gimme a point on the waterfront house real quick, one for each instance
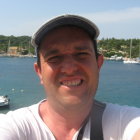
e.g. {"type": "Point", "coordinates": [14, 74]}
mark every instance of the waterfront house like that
{"type": "Point", "coordinates": [13, 51]}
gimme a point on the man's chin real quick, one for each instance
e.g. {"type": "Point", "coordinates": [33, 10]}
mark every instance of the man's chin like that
{"type": "Point", "coordinates": [73, 100]}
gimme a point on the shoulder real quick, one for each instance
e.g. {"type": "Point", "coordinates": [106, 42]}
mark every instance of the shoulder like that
{"type": "Point", "coordinates": [15, 124]}
{"type": "Point", "coordinates": [122, 112]}
{"type": "Point", "coordinates": [23, 113]}
{"type": "Point", "coordinates": [118, 120]}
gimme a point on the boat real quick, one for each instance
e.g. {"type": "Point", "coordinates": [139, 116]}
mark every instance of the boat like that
{"type": "Point", "coordinates": [116, 58]}
{"type": "Point", "coordinates": [130, 60]}
{"type": "Point", "coordinates": [138, 59]}
{"type": "Point", "coordinates": [4, 101]}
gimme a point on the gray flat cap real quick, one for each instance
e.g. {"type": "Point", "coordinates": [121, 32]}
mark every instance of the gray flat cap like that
{"type": "Point", "coordinates": [65, 20]}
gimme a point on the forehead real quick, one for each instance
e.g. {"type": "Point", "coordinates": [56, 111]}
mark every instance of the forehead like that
{"type": "Point", "coordinates": [65, 34]}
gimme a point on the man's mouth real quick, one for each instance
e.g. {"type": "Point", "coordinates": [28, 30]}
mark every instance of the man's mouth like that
{"type": "Point", "coordinates": [72, 83]}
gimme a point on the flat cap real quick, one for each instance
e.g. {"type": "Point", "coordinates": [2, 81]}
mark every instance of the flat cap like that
{"type": "Point", "coordinates": [65, 20]}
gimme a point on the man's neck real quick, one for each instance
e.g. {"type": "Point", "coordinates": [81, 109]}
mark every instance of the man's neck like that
{"type": "Point", "coordinates": [64, 122]}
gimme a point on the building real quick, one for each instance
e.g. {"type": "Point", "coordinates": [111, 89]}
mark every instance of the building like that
{"type": "Point", "coordinates": [13, 51]}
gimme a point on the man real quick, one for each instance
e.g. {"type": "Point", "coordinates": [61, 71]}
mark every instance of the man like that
{"type": "Point", "coordinates": [68, 66]}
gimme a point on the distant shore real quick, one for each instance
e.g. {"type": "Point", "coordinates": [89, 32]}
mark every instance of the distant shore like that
{"type": "Point", "coordinates": [9, 55]}
{"type": "Point", "coordinates": [34, 56]}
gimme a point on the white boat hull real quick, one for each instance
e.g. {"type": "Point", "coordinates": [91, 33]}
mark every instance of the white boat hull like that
{"type": "Point", "coordinates": [130, 62]}
{"type": "Point", "coordinates": [4, 101]}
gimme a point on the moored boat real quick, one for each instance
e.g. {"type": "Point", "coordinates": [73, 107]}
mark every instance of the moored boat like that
{"type": "Point", "coordinates": [130, 62]}
{"type": "Point", "coordinates": [4, 101]}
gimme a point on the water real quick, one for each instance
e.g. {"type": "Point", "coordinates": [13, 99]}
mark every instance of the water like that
{"type": "Point", "coordinates": [19, 81]}
{"type": "Point", "coordinates": [119, 83]}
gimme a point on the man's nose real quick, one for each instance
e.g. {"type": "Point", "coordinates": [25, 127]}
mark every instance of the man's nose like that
{"type": "Point", "coordinates": [69, 65]}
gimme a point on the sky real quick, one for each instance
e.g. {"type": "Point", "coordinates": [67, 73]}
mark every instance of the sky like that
{"type": "Point", "coordinates": [114, 18]}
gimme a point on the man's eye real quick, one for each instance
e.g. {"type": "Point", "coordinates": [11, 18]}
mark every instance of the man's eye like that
{"type": "Point", "coordinates": [54, 59]}
{"type": "Point", "coordinates": [82, 54]}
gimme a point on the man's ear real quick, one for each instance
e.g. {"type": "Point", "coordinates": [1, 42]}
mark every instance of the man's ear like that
{"type": "Point", "coordinates": [38, 72]}
{"type": "Point", "coordinates": [100, 61]}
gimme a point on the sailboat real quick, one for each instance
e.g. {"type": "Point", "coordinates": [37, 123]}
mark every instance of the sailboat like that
{"type": "Point", "coordinates": [130, 60]}
{"type": "Point", "coordinates": [138, 59]}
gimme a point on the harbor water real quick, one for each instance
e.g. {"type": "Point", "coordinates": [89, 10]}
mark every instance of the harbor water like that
{"type": "Point", "coordinates": [119, 83]}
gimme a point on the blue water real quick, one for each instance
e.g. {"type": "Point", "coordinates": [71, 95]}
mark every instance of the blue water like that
{"type": "Point", "coordinates": [19, 81]}
{"type": "Point", "coordinates": [119, 83]}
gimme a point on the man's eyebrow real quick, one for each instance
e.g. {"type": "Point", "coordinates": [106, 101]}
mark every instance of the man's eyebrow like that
{"type": "Point", "coordinates": [82, 48]}
{"type": "Point", "coordinates": [51, 52]}
{"type": "Point", "coordinates": [78, 48]}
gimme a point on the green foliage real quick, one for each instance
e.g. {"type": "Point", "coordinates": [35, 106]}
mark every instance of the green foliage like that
{"type": "Point", "coordinates": [109, 46]}
{"type": "Point", "coordinates": [23, 42]}
{"type": "Point", "coordinates": [119, 47]}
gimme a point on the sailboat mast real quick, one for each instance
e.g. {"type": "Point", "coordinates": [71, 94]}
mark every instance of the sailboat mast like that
{"type": "Point", "coordinates": [9, 44]}
{"type": "Point", "coordinates": [139, 51]}
{"type": "Point", "coordinates": [130, 47]}
{"type": "Point", "coordinates": [29, 49]}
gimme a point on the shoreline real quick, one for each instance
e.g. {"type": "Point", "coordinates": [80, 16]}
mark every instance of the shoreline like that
{"type": "Point", "coordinates": [22, 56]}
{"type": "Point", "coordinates": [34, 56]}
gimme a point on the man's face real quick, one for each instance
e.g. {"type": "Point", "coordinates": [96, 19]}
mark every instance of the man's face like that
{"type": "Point", "coordinates": [69, 70]}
